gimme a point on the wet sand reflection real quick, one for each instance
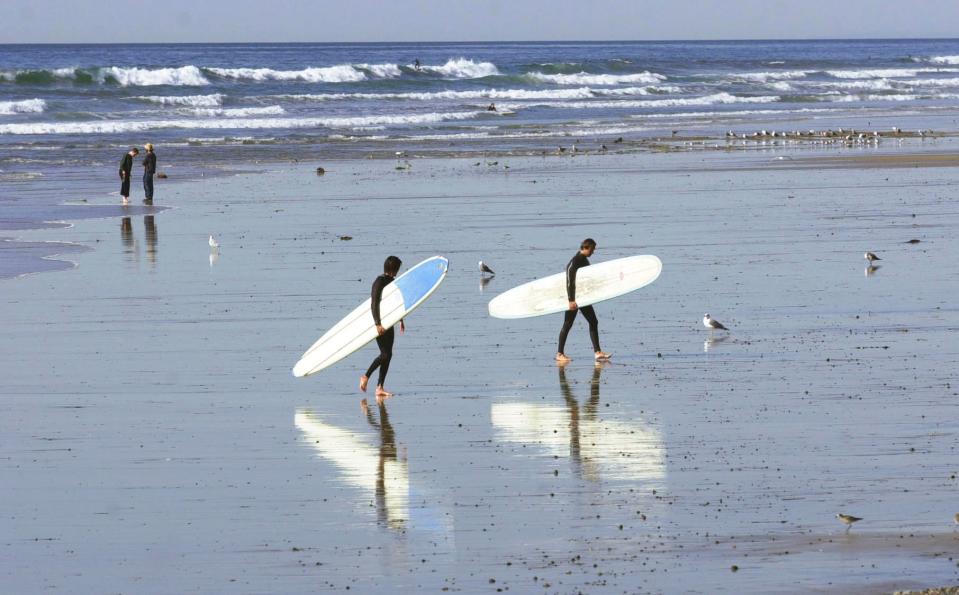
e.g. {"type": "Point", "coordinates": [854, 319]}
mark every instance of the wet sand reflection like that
{"type": "Point", "coordinates": [598, 449]}
{"type": "Point", "coordinates": [377, 471]}
{"type": "Point", "coordinates": [150, 233]}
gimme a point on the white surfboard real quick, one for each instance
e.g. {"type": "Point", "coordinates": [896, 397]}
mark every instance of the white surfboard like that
{"type": "Point", "coordinates": [400, 297]}
{"type": "Point", "coordinates": [594, 283]}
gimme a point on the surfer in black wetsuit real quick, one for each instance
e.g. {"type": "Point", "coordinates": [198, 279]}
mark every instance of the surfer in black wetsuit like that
{"type": "Point", "coordinates": [385, 337]}
{"type": "Point", "coordinates": [580, 260]}
{"type": "Point", "coordinates": [126, 166]}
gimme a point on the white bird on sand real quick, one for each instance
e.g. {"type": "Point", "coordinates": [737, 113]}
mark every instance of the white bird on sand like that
{"type": "Point", "coordinates": [485, 269]}
{"type": "Point", "coordinates": [871, 257]}
{"type": "Point", "coordinates": [712, 323]}
{"type": "Point", "coordinates": [848, 520]}
{"type": "Point", "coordinates": [213, 243]}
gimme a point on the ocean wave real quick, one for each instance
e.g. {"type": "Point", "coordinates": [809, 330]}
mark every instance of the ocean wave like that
{"type": "Point", "coordinates": [781, 86]}
{"type": "Point", "coordinates": [756, 112]}
{"type": "Point", "coordinates": [951, 82]}
{"type": "Point", "coordinates": [119, 126]}
{"type": "Point", "coordinates": [26, 106]}
{"type": "Point", "coordinates": [778, 75]}
{"type": "Point", "coordinates": [585, 78]}
{"type": "Point", "coordinates": [884, 73]}
{"type": "Point", "coordinates": [383, 71]}
{"type": "Point", "coordinates": [873, 97]}
{"type": "Point", "coordinates": [492, 94]}
{"type": "Point", "coordinates": [716, 98]}
{"type": "Point", "coordinates": [190, 100]}
{"type": "Point", "coordinates": [462, 68]}
{"type": "Point", "coordinates": [859, 85]}
{"type": "Point", "coordinates": [187, 76]}
{"type": "Point", "coordinates": [939, 59]}
{"type": "Point", "coordinates": [40, 76]}
{"type": "Point", "coordinates": [341, 73]}
{"type": "Point", "coordinates": [239, 112]}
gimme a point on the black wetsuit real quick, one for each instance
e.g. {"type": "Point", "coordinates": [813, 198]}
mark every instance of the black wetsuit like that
{"type": "Point", "coordinates": [149, 169]}
{"type": "Point", "coordinates": [577, 262]}
{"type": "Point", "coordinates": [384, 341]}
{"type": "Point", "coordinates": [126, 166]}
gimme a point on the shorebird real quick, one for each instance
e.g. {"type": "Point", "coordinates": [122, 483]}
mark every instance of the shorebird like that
{"type": "Point", "coordinates": [712, 323]}
{"type": "Point", "coordinates": [213, 243]}
{"type": "Point", "coordinates": [871, 257]}
{"type": "Point", "coordinates": [848, 520]}
{"type": "Point", "coordinates": [485, 269]}
{"type": "Point", "coordinates": [956, 518]}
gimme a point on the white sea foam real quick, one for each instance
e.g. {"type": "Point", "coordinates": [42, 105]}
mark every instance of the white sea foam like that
{"type": "Point", "coordinates": [239, 112]}
{"type": "Point", "coordinates": [951, 82]}
{"type": "Point", "coordinates": [585, 78]}
{"type": "Point", "coordinates": [385, 71]}
{"type": "Point", "coordinates": [27, 106]}
{"type": "Point", "coordinates": [732, 114]}
{"type": "Point", "coordinates": [189, 76]}
{"type": "Point", "coordinates": [781, 86]}
{"type": "Point", "coordinates": [943, 60]}
{"type": "Point", "coordinates": [213, 100]}
{"type": "Point", "coordinates": [494, 94]}
{"type": "Point", "coordinates": [884, 72]}
{"type": "Point", "coordinates": [462, 68]}
{"type": "Point", "coordinates": [120, 126]}
{"type": "Point", "coordinates": [716, 98]}
{"type": "Point", "coordinates": [871, 97]}
{"type": "Point", "coordinates": [859, 85]}
{"type": "Point", "coordinates": [779, 75]}
{"type": "Point", "coordinates": [341, 73]}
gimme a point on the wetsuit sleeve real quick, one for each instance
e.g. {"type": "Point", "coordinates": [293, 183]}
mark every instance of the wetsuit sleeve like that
{"type": "Point", "coordinates": [375, 297]}
{"type": "Point", "coordinates": [574, 265]}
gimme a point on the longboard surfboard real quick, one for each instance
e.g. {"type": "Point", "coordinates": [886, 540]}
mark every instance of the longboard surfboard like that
{"type": "Point", "coordinates": [594, 283]}
{"type": "Point", "coordinates": [404, 295]}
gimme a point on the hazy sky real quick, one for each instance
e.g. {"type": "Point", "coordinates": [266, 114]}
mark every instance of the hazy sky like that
{"type": "Point", "coordinates": [115, 21]}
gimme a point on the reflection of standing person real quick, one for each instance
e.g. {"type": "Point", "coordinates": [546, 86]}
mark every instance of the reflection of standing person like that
{"type": "Point", "coordinates": [580, 260]}
{"type": "Point", "coordinates": [126, 166]}
{"type": "Point", "coordinates": [384, 339]}
{"type": "Point", "coordinates": [149, 171]}
{"type": "Point", "coordinates": [387, 453]}
{"type": "Point", "coordinates": [126, 233]}
{"type": "Point", "coordinates": [583, 467]}
{"type": "Point", "coordinates": [150, 233]}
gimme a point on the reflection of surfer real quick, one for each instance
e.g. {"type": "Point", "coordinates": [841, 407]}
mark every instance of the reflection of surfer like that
{"type": "Point", "coordinates": [589, 413]}
{"type": "Point", "coordinates": [384, 339]}
{"type": "Point", "coordinates": [387, 453]}
{"type": "Point", "coordinates": [580, 260]}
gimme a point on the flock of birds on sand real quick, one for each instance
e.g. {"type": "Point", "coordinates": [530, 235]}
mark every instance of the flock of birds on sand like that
{"type": "Point", "coordinates": [844, 136]}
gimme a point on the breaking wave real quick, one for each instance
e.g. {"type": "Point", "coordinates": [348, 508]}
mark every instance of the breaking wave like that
{"type": "Point", "coordinates": [189, 100]}
{"type": "Point", "coordinates": [585, 78]}
{"type": "Point", "coordinates": [119, 126]}
{"type": "Point", "coordinates": [27, 106]}
{"type": "Point", "coordinates": [462, 68]}
{"type": "Point", "coordinates": [493, 94]}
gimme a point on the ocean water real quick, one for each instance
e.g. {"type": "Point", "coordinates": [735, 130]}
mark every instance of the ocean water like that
{"type": "Point", "coordinates": [87, 95]}
{"type": "Point", "coordinates": [67, 112]}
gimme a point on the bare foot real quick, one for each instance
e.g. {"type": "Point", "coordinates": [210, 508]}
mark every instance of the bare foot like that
{"type": "Point", "coordinates": [382, 394]}
{"type": "Point", "coordinates": [563, 358]}
{"type": "Point", "coordinates": [364, 380]}
{"type": "Point", "coordinates": [603, 356]}
{"type": "Point", "coordinates": [125, 201]}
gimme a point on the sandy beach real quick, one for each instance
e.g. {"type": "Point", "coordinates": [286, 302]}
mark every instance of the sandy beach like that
{"type": "Point", "coordinates": [153, 439]}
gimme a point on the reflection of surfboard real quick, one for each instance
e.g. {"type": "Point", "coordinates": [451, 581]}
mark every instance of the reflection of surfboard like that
{"type": "Point", "coordinates": [400, 297]}
{"type": "Point", "coordinates": [595, 283]}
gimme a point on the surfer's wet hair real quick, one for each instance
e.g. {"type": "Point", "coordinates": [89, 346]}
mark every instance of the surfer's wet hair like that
{"type": "Point", "coordinates": [587, 243]}
{"type": "Point", "coordinates": [392, 265]}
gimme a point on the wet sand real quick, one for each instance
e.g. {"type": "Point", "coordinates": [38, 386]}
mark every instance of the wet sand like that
{"type": "Point", "coordinates": [152, 438]}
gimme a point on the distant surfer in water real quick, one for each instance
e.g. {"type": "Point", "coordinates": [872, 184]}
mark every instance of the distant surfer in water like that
{"type": "Point", "coordinates": [385, 337]}
{"type": "Point", "coordinates": [491, 107]}
{"type": "Point", "coordinates": [416, 64]}
{"type": "Point", "coordinates": [580, 260]}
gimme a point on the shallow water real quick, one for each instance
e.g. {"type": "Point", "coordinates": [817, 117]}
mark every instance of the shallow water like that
{"type": "Point", "coordinates": [153, 439]}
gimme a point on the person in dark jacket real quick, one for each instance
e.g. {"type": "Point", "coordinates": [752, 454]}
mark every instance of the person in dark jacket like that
{"type": "Point", "coordinates": [126, 166]}
{"type": "Point", "coordinates": [149, 171]}
{"type": "Point", "coordinates": [384, 339]}
{"type": "Point", "coordinates": [580, 260]}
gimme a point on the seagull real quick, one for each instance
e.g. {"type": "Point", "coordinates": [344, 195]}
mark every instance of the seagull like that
{"type": "Point", "coordinates": [871, 257]}
{"type": "Point", "coordinates": [712, 323]}
{"type": "Point", "coordinates": [485, 269]}
{"type": "Point", "coordinates": [848, 520]}
{"type": "Point", "coordinates": [213, 243]}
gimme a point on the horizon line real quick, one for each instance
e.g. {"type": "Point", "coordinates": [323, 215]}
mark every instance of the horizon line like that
{"type": "Point", "coordinates": [475, 41]}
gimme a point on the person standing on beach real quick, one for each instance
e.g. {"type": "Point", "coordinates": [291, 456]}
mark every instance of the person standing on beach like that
{"type": "Point", "coordinates": [580, 260]}
{"type": "Point", "coordinates": [126, 166]}
{"type": "Point", "coordinates": [149, 171]}
{"type": "Point", "coordinates": [384, 339]}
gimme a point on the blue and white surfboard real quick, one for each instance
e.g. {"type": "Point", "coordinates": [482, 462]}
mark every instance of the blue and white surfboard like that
{"type": "Point", "coordinates": [400, 297]}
